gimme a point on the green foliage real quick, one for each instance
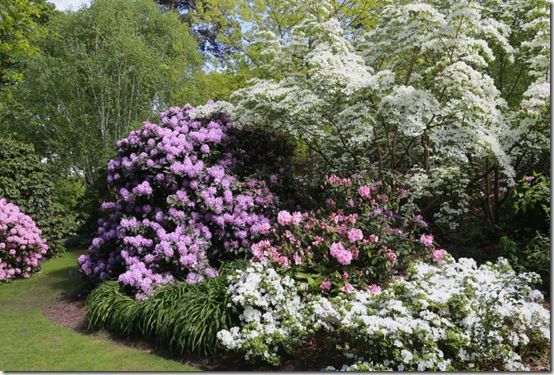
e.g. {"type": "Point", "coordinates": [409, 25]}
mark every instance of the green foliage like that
{"type": "Point", "coordinates": [101, 71]}
{"type": "Point", "coordinates": [88, 208]}
{"type": "Point", "coordinates": [20, 28]}
{"type": "Point", "coordinates": [529, 255]}
{"type": "Point", "coordinates": [180, 316]}
{"type": "Point", "coordinates": [534, 194]}
{"type": "Point", "coordinates": [225, 29]}
{"type": "Point", "coordinates": [25, 182]}
{"type": "Point", "coordinates": [527, 242]}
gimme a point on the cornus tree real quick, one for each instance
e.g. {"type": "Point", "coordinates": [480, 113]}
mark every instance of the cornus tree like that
{"type": "Point", "coordinates": [448, 94]}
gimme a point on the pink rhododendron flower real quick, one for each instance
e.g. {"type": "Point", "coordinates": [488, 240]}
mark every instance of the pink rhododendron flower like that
{"type": "Point", "coordinates": [374, 288]}
{"type": "Point", "coordinates": [284, 217]}
{"type": "Point", "coordinates": [317, 241]}
{"type": "Point", "coordinates": [347, 288]}
{"type": "Point", "coordinates": [325, 285]}
{"type": "Point", "coordinates": [364, 191]}
{"type": "Point", "coordinates": [355, 234]}
{"type": "Point", "coordinates": [529, 178]}
{"type": "Point", "coordinates": [296, 218]}
{"type": "Point", "coordinates": [426, 239]}
{"type": "Point", "coordinates": [342, 255]}
{"type": "Point", "coordinates": [373, 238]}
{"type": "Point", "coordinates": [19, 234]}
{"type": "Point", "coordinates": [438, 255]}
{"type": "Point", "coordinates": [391, 255]}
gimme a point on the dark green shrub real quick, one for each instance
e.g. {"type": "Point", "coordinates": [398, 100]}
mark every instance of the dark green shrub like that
{"type": "Point", "coordinates": [26, 182]}
{"type": "Point", "coordinates": [88, 208]}
{"type": "Point", "coordinates": [529, 255]}
{"type": "Point", "coordinates": [527, 240]}
{"type": "Point", "coordinates": [278, 159]}
{"type": "Point", "coordinates": [181, 317]}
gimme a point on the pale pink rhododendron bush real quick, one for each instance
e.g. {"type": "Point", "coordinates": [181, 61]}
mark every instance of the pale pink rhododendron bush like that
{"type": "Point", "coordinates": [21, 246]}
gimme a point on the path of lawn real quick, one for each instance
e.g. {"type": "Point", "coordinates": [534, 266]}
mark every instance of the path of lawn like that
{"type": "Point", "coordinates": [31, 342]}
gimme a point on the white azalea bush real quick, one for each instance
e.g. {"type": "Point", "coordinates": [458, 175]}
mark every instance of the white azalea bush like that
{"type": "Point", "coordinates": [453, 316]}
{"type": "Point", "coordinates": [272, 313]}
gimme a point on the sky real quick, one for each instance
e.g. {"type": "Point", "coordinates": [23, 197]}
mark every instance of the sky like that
{"type": "Point", "coordinates": [68, 4]}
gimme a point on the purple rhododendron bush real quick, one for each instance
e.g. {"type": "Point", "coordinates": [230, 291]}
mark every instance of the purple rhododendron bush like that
{"type": "Point", "coordinates": [21, 245]}
{"type": "Point", "coordinates": [179, 207]}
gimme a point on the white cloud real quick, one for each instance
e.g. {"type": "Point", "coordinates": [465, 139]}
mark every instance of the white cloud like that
{"type": "Point", "coordinates": [69, 4]}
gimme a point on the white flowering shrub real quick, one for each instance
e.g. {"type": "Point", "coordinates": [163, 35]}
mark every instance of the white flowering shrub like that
{"type": "Point", "coordinates": [271, 313]}
{"type": "Point", "coordinates": [455, 316]}
{"type": "Point", "coordinates": [435, 85]}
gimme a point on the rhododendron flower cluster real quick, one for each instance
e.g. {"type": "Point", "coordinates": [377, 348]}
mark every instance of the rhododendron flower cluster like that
{"type": "Point", "coordinates": [178, 204]}
{"type": "Point", "coordinates": [21, 245]}
{"type": "Point", "coordinates": [365, 232]}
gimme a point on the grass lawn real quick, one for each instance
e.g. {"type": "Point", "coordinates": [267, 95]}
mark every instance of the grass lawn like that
{"type": "Point", "coordinates": [31, 342]}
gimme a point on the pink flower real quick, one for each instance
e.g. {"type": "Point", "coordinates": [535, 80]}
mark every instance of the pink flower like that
{"type": "Point", "coordinates": [355, 234]}
{"type": "Point", "coordinates": [345, 276]}
{"type": "Point", "coordinates": [373, 238]}
{"type": "Point", "coordinates": [347, 288]}
{"type": "Point", "coordinates": [297, 259]}
{"type": "Point", "coordinates": [284, 217]}
{"type": "Point", "coordinates": [264, 228]}
{"type": "Point", "coordinates": [374, 288]}
{"type": "Point", "coordinates": [529, 178]}
{"type": "Point", "coordinates": [325, 285]}
{"type": "Point", "coordinates": [391, 255]}
{"type": "Point", "coordinates": [342, 255]}
{"type": "Point", "coordinates": [296, 218]}
{"type": "Point", "coordinates": [283, 261]}
{"type": "Point", "coordinates": [426, 239]}
{"type": "Point", "coordinates": [317, 241]}
{"type": "Point", "coordinates": [364, 191]}
{"type": "Point", "coordinates": [438, 255]}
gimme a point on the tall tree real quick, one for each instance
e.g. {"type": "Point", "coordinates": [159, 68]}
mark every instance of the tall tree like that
{"type": "Point", "coordinates": [101, 71]}
{"type": "Point", "coordinates": [225, 29]}
{"type": "Point", "coordinates": [21, 25]}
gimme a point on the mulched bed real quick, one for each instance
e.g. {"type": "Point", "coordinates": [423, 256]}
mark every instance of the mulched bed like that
{"type": "Point", "coordinates": [67, 312]}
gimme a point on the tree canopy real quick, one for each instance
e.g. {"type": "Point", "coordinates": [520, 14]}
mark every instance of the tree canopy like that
{"type": "Point", "coordinates": [101, 71]}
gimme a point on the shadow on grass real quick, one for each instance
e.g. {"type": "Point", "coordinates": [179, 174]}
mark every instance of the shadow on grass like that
{"type": "Point", "coordinates": [221, 361]}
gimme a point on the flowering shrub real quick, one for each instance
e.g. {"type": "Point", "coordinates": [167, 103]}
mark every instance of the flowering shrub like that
{"type": "Point", "coordinates": [178, 205]}
{"type": "Point", "coordinates": [364, 236]}
{"type": "Point", "coordinates": [453, 316]}
{"type": "Point", "coordinates": [270, 313]}
{"type": "Point", "coordinates": [26, 182]}
{"type": "Point", "coordinates": [422, 92]}
{"type": "Point", "coordinates": [21, 245]}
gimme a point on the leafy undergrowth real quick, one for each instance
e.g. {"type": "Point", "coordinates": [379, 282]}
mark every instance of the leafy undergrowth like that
{"type": "Point", "coordinates": [31, 342]}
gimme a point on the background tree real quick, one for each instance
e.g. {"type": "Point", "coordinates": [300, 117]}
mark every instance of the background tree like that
{"type": "Point", "coordinates": [21, 26]}
{"type": "Point", "coordinates": [101, 70]}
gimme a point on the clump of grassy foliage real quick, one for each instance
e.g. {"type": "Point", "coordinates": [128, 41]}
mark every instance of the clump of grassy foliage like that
{"type": "Point", "coordinates": [181, 317]}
